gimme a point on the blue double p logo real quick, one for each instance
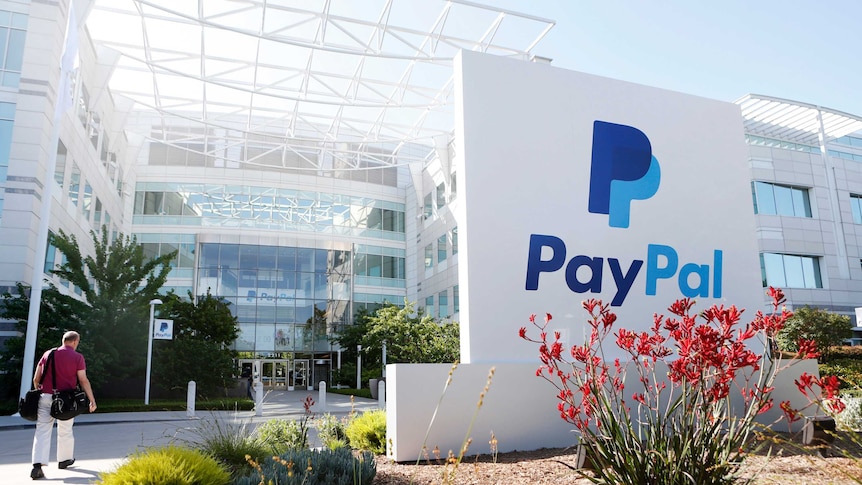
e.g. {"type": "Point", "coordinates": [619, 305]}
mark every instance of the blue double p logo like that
{"type": "Point", "coordinates": [623, 169]}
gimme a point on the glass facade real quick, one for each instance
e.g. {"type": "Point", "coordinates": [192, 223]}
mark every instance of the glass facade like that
{"type": "Point", "coordinates": [286, 299]}
{"type": "Point", "coordinates": [267, 208]}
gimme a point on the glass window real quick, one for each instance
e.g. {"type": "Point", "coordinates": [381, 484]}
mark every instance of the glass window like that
{"type": "Point", "coordinates": [443, 304]}
{"type": "Point", "coordinates": [774, 199]}
{"type": "Point", "coordinates": [429, 305]}
{"type": "Point", "coordinates": [441, 248]}
{"type": "Point", "coordinates": [74, 184]}
{"type": "Point", "coordinates": [87, 199]}
{"type": "Point", "coordinates": [12, 36]}
{"type": "Point", "coordinates": [454, 240]}
{"type": "Point", "coordinates": [60, 169]}
{"type": "Point", "coordinates": [428, 207]}
{"type": "Point", "coordinates": [456, 301]}
{"type": "Point", "coordinates": [790, 271]}
{"type": "Point", "coordinates": [429, 256]}
{"type": "Point", "coordinates": [856, 208]}
{"type": "Point", "coordinates": [441, 195]}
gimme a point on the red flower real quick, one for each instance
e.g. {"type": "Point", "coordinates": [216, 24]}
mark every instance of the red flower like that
{"type": "Point", "coordinates": [791, 414]}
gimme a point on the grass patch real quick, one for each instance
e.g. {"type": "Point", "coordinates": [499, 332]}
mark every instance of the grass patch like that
{"type": "Point", "coordinates": [366, 393]}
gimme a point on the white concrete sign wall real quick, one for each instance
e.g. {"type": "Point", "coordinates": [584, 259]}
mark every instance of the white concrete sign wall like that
{"type": "Point", "coordinates": [575, 186]}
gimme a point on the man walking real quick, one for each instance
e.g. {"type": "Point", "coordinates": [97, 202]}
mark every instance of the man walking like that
{"type": "Point", "coordinates": [70, 370]}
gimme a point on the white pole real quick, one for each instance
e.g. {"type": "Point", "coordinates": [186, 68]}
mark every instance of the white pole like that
{"type": "Point", "coordinates": [70, 52]}
{"type": "Point", "coordinates": [153, 304]}
{"type": "Point", "coordinates": [359, 367]}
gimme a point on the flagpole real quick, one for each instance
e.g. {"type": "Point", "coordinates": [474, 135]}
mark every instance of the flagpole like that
{"type": "Point", "coordinates": [27, 368]}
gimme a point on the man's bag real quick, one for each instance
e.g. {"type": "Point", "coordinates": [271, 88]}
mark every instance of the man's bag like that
{"type": "Point", "coordinates": [28, 406]}
{"type": "Point", "coordinates": [68, 404]}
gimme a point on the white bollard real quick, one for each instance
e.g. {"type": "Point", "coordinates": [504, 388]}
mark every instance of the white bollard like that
{"type": "Point", "coordinates": [258, 398]}
{"type": "Point", "coordinates": [190, 399]}
{"type": "Point", "coordinates": [321, 398]}
{"type": "Point", "coordinates": [381, 394]}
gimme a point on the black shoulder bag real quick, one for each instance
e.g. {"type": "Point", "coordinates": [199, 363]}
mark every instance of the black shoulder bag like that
{"type": "Point", "coordinates": [67, 404]}
{"type": "Point", "coordinates": [28, 406]}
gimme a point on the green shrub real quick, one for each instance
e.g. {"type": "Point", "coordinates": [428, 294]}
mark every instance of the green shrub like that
{"type": "Point", "coordinates": [171, 465]}
{"type": "Point", "coordinates": [848, 371]}
{"type": "Point", "coordinates": [311, 467]}
{"type": "Point", "coordinates": [281, 435]}
{"type": "Point", "coordinates": [330, 431]}
{"type": "Point", "coordinates": [368, 432]}
{"type": "Point", "coordinates": [826, 329]}
{"type": "Point", "coordinates": [227, 441]}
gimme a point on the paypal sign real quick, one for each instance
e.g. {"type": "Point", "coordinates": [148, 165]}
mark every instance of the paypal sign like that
{"type": "Point", "coordinates": [623, 169]}
{"type": "Point", "coordinates": [662, 262]}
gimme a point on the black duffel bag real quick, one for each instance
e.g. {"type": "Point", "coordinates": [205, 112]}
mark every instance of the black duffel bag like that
{"type": "Point", "coordinates": [68, 404]}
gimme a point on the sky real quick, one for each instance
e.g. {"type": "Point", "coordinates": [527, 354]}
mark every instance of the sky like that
{"type": "Point", "coordinates": [806, 51]}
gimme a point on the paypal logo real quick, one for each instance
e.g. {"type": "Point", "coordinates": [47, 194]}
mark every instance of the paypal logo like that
{"type": "Point", "coordinates": [623, 169]}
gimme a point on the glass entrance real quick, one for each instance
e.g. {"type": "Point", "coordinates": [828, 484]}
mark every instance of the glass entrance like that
{"type": "Point", "coordinates": [299, 377]}
{"type": "Point", "coordinates": [274, 373]}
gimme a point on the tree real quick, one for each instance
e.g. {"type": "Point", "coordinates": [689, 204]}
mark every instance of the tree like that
{"type": "Point", "coordinates": [204, 331]}
{"type": "Point", "coordinates": [826, 329]}
{"type": "Point", "coordinates": [117, 284]}
{"type": "Point", "coordinates": [411, 337]}
{"type": "Point", "coordinates": [58, 313]}
{"type": "Point", "coordinates": [348, 339]}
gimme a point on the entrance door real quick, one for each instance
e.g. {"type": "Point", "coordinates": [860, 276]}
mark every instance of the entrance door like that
{"type": "Point", "coordinates": [300, 378]}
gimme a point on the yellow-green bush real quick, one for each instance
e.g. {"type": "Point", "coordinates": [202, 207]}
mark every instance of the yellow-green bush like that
{"type": "Point", "coordinates": [368, 432]}
{"type": "Point", "coordinates": [171, 465]}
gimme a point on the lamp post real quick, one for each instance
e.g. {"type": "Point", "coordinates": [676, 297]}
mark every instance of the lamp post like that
{"type": "Point", "coordinates": [153, 304]}
{"type": "Point", "coordinates": [358, 366]}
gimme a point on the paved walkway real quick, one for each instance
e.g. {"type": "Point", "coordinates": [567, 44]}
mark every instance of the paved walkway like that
{"type": "Point", "coordinates": [103, 440]}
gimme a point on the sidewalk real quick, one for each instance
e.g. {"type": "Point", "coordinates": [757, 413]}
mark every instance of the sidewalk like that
{"type": "Point", "coordinates": [103, 440]}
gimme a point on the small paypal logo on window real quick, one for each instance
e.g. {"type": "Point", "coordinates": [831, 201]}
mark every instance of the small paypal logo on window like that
{"type": "Point", "coordinates": [623, 169]}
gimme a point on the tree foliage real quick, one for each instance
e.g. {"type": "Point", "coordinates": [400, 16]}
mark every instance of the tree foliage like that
{"type": "Point", "coordinates": [58, 313]}
{"type": "Point", "coordinates": [410, 336]}
{"type": "Point", "coordinates": [826, 329]}
{"type": "Point", "coordinates": [204, 331]}
{"type": "Point", "coordinates": [117, 283]}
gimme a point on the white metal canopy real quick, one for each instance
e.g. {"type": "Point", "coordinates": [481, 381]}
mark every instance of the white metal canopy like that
{"type": "Point", "coordinates": [324, 71]}
{"type": "Point", "coordinates": [794, 121]}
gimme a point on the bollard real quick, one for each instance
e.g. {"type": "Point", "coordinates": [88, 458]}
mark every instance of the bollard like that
{"type": "Point", "coordinates": [190, 400]}
{"type": "Point", "coordinates": [321, 398]}
{"type": "Point", "coordinates": [381, 394]}
{"type": "Point", "coordinates": [258, 398]}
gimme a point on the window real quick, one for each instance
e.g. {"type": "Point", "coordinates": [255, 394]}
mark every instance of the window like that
{"type": "Point", "coordinates": [856, 208]}
{"type": "Point", "coordinates": [87, 200]}
{"type": "Point", "coordinates": [429, 305]}
{"type": "Point", "coordinates": [428, 206]}
{"type": "Point", "coordinates": [456, 302]}
{"type": "Point", "coordinates": [441, 248]}
{"type": "Point", "coordinates": [781, 200]}
{"type": "Point", "coordinates": [429, 256]}
{"type": "Point", "coordinates": [442, 304]}
{"type": "Point", "coordinates": [12, 33]}
{"type": "Point", "coordinates": [74, 183]}
{"type": "Point", "coordinates": [50, 254]}
{"type": "Point", "coordinates": [454, 240]}
{"type": "Point", "coordinates": [441, 195]}
{"type": "Point", "coordinates": [790, 271]}
{"type": "Point", "coordinates": [60, 169]}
